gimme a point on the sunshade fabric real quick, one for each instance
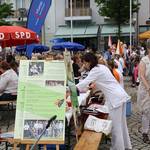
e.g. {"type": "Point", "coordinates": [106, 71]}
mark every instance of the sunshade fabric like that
{"type": "Point", "coordinates": [16, 35]}
{"type": "Point", "coordinates": [109, 29]}
{"type": "Point", "coordinates": [37, 48]}
{"type": "Point", "coordinates": [78, 31]}
{"type": "Point", "coordinates": [144, 35]}
{"type": "Point", "coordinates": [68, 45]}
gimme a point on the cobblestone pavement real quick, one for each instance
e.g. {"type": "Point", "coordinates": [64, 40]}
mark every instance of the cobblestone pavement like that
{"type": "Point", "coordinates": [133, 121]}
{"type": "Point", "coordinates": [134, 126]}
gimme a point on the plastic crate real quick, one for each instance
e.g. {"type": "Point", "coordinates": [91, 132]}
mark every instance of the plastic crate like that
{"type": "Point", "coordinates": [53, 147]}
{"type": "Point", "coordinates": [128, 108]}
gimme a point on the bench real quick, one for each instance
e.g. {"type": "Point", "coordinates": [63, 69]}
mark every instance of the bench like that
{"type": "Point", "coordinates": [7, 102]}
{"type": "Point", "coordinates": [89, 140]}
{"type": "Point", "coordinates": [9, 107]}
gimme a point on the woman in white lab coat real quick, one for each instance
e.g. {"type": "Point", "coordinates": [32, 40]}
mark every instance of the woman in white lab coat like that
{"type": "Point", "coordinates": [115, 95]}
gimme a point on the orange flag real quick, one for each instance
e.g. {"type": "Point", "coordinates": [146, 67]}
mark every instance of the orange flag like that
{"type": "Point", "coordinates": [119, 49]}
{"type": "Point", "coordinates": [109, 41]}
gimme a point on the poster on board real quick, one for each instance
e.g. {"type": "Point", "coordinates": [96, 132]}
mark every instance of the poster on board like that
{"type": "Point", "coordinates": [41, 85]}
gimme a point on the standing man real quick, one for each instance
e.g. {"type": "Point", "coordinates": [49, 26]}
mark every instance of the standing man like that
{"type": "Point", "coordinates": [108, 54]}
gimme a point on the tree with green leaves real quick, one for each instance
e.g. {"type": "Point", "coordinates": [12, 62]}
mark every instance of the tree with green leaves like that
{"type": "Point", "coordinates": [6, 10]}
{"type": "Point", "coordinates": [117, 10]}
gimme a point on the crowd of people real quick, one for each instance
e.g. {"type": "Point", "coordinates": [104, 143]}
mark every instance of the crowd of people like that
{"type": "Point", "coordinates": [102, 71]}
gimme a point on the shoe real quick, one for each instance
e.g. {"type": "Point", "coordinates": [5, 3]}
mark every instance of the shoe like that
{"type": "Point", "coordinates": [133, 85]}
{"type": "Point", "coordinates": [146, 138]}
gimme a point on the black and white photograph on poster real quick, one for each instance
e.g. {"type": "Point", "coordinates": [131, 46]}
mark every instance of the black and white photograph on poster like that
{"type": "Point", "coordinates": [54, 83]}
{"type": "Point", "coordinates": [36, 68]}
{"type": "Point", "coordinates": [34, 128]}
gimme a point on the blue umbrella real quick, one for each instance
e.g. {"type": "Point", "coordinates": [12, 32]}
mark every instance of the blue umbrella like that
{"type": "Point", "coordinates": [57, 40]}
{"type": "Point", "coordinates": [68, 45]}
{"type": "Point", "coordinates": [37, 48]}
{"type": "Point", "coordinates": [20, 48]}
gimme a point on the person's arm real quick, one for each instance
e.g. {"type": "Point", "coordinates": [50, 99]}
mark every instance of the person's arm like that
{"type": "Point", "coordinates": [91, 78]}
{"type": "Point", "coordinates": [82, 68]}
{"type": "Point", "coordinates": [3, 84]}
{"type": "Point", "coordinates": [136, 73]}
{"type": "Point", "coordinates": [142, 70]}
{"type": "Point", "coordinates": [106, 55]}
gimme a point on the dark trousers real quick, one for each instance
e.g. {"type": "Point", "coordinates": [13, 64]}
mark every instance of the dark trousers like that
{"type": "Point", "coordinates": [7, 97]}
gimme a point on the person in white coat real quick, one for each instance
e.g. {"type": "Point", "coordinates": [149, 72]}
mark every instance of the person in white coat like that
{"type": "Point", "coordinates": [8, 82]}
{"type": "Point", "coordinates": [143, 95]}
{"type": "Point", "coordinates": [116, 98]}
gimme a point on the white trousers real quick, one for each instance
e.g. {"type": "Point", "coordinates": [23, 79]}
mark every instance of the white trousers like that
{"type": "Point", "coordinates": [145, 121]}
{"type": "Point", "coordinates": [120, 135]}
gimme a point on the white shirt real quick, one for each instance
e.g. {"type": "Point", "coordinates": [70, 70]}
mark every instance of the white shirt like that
{"type": "Point", "coordinates": [121, 78]}
{"type": "Point", "coordinates": [8, 82]}
{"type": "Point", "coordinates": [120, 68]}
{"type": "Point", "coordinates": [121, 60]}
{"type": "Point", "coordinates": [115, 95]}
{"type": "Point", "coordinates": [142, 53]}
{"type": "Point", "coordinates": [26, 127]}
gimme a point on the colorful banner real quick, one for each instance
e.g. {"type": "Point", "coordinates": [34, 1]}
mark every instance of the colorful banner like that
{"type": "Point", "coordinates": [70, 78]}
{"type": "Point", "coordinates": [36, 18]}
{"type": "Point", "coordinates": [37, 14]}
{"type": "Point", "coordinates": [42, 85]}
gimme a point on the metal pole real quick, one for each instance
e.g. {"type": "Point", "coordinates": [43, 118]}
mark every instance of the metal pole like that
{"type": "Point", "coordinates": [21, 4]}
{"type": "Point", "coordinates": [71, 21]}
{"type": "Point", "coordinates": [149, 8]}
{"type": "Point", "coordinates": [137, 26]}
{"type": "Point", "coordinates": [43, 34]}
{"type": "Point", "coordinates": [130, 24]}
{"type": "Point", "coordinates": [36, 142]}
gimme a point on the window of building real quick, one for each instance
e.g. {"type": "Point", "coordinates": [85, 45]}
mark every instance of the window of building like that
{"type": "Point", "coordinates": [144, 28]}
{"type": "Point", "coordinates": [19, 4]}
{"type": "Point", "coordinates": [87, 3]}
{"type": "Point", "coordinates": [79, 3]}
{"type": "Point", "coordinates": [73, 3]}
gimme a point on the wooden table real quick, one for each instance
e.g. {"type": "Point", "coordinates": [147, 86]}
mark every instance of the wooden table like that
{"type": "Point", "coordinates": [89, 140]}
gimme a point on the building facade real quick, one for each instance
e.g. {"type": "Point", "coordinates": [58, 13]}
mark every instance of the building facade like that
{"type": "Point", "coordinates": [144, 16]}
{"type": "Point", "coordinates": [87, 26]}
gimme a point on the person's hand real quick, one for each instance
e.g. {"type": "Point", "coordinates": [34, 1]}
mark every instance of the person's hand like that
{"type": "Point", "coordinates": [92, 86]}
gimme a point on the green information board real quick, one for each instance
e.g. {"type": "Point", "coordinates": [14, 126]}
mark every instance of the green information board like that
{"type": "Point", "coordinates": [41, 85]}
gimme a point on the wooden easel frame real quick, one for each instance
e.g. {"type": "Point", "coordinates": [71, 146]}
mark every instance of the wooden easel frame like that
{"type": "Point", "coordinates": [28, 143]}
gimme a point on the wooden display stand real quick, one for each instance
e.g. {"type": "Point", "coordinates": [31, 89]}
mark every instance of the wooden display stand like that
{"type": "Point", "coordinates": [28, 143]}
{"type": "Point", "coordinates": [38, 93]}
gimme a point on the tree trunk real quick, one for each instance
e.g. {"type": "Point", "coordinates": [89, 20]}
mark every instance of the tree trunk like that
{"type": "Point", "coordinates": [119, 20]}
{"type": "Point", "coordinates": [119, 30]}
